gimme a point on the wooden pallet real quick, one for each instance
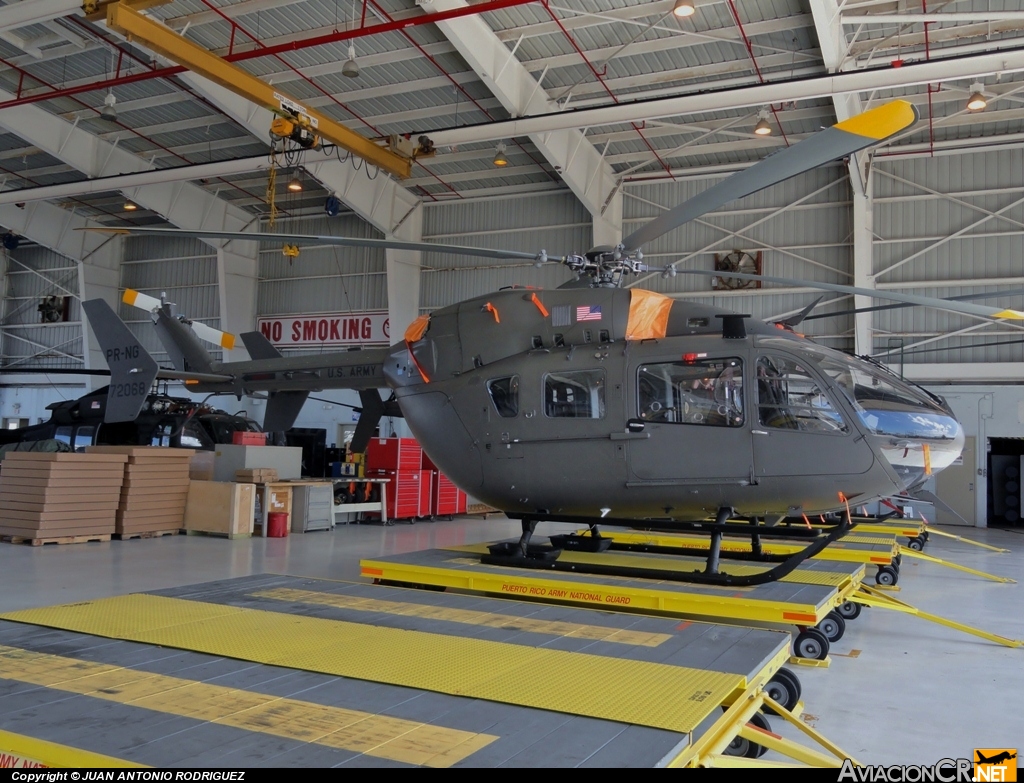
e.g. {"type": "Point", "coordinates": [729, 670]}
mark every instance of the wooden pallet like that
{"type": "Point", "coordinates": [146, 534]}
{"type": "Point", "coordinates": [480, 510]}
{"type": "Point", "coordinates": [54, 540]}
{"type": "Point", "coordinates": [212, 534]}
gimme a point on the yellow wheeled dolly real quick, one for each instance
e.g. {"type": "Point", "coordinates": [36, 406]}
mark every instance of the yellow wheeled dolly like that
{"type": "Point", "coordinates": [810, 598]}
{"type": "Point", "coordinates": [818, 598]}
{"type": "Point", "coordinates": [917, 531]}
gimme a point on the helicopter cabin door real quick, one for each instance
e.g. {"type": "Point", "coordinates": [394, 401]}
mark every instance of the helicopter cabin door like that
{"type": "Point", "coordinates": [798, 428]}
{"type": "Point", "coordinates": [694, 418]}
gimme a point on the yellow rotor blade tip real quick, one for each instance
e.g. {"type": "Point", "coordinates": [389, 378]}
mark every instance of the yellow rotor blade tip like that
{"type": "Point", "coordinates": [1015, 315]}
{"type": "Point", "coordinates": [883, 121]}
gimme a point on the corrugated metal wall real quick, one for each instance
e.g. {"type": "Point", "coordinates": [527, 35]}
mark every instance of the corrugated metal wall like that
{"type": "Point", "coordinates": [802, 226]}
{"type": "Point", "coordinates": [183, 268]}
{"type": "Point", "coordinates": [555, 222]}
{"type": "Point", "coordinates": [912, 223]}
{"type": "Point", "coordinates": [324, 278]}
{"type": "Point", "coordinates": [35, 272]}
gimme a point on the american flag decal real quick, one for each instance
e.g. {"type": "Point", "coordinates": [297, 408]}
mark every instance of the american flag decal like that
{"type": "Point", "coordinates": [588, 313]}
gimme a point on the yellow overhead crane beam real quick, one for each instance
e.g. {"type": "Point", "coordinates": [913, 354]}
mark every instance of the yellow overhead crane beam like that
{"type": "Point", "coordinates": [136, 27]}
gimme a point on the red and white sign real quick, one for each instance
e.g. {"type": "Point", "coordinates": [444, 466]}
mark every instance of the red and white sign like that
{"type": "Point", "coordinates": [327, 329]}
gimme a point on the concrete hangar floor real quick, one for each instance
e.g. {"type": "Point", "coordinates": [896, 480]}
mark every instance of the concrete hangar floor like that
{"type": "Point", "coordinates": [898, 689]}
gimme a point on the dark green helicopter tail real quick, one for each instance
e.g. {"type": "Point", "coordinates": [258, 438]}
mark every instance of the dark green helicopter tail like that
{"type": "Point", "coordinates": [132, 369]}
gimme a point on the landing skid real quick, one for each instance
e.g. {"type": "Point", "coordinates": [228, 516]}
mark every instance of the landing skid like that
{"type": "Point", "coordinates": [523, 554]}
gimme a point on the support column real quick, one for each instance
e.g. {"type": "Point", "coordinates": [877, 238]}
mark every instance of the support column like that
{"type": "Point", "coordinates": [96, 281]}
{"type": "Point", "coordinates": [863, 259]}
{"type": "Point", "coordinates": [404, 280]}
{"type": "Point", "coordinates": [237, 282]}
{"type": "Point", "coordinates": [608, 224]}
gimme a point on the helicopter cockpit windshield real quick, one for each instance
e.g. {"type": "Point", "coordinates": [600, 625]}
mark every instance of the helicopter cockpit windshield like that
{"type": "Point", "coordinates": [917, 434]}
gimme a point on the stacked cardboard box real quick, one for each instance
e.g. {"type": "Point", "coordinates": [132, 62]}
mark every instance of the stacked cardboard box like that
{"type": "Point", "coordinates": [256, 475]}
{"type": "Point", "coordinates": [154, 490]}
{"type": "Point", "coordinates": [59, 497]}
{"type": "Point", "coordinates": [220, 508]}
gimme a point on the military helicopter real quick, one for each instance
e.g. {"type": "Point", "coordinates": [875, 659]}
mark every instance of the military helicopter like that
{"type": "Point", "coordinates": [598, 404]}
{"type": "Point", "coordinates": [162, 421]}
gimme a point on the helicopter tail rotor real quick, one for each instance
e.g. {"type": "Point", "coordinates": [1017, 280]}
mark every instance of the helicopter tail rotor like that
{"type": "Point", "coordinates": [155, 307]}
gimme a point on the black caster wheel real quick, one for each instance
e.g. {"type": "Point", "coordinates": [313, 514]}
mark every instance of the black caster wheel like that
{"type": "Point", "coordinates": [785, 688]}
{"type": "Point", "coordinates": [917, 544]}
{"type": "Point", "coordinates": [887, 576]}
{"type": "Point", "coordinates": [811, 643]}
{"type": "Point", "coordinates": [849, 610]}
{"type": "Point", "coordinates": [924, 536]}
{"type": "Point", "coordinates": [833, 626]}
{"type": "Point", "coordinates": [741, 746]}
{"type": "Point", "coordinates": [898, 562]}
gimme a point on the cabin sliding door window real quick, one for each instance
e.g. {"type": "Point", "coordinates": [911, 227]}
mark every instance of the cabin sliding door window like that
{"type": "Point", "coordinates": [706, 391]}
{"type": "Point", "coordinates": [790, 398]}
{"type": "Point", "coordinates": [576, 394]}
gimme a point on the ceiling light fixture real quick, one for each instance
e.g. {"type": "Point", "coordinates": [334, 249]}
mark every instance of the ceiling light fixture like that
{"type": "Point", "coordinates": [499, 155]}
{"type": "Point", "coordinates": [351, 67]}
{"type": "Point", "coordinates": [130, 206]}
{"type": "Point", "coordinates": [684, 8]}
{"type": "Point", "coordinates": [109, 112]}
{"type": "Point", "coordinates": [294, 185]}
{"type": "Point", "coordinates": [977, 100]}
{"type": "Point", "coordinates": [763, 128]}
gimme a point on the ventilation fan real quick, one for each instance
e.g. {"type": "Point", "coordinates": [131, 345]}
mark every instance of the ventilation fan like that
{"type": "Point", "coordinates": [53, 309]}
{"type": "Point", "coordinates": [737, 261]}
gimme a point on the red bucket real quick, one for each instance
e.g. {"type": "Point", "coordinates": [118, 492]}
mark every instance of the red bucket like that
{"type": "Point", "coordinates": [277, 524]}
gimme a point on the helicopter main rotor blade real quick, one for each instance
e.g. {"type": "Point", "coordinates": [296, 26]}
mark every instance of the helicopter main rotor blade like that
{"type": "Point", "coordinates": [877, 308]}
{"type": "Point", "coordinates": [964, 308]}
{"type": "Point", "coordinates": [839, 141]}
{"type": "Point", "coordinates": [310, 239]}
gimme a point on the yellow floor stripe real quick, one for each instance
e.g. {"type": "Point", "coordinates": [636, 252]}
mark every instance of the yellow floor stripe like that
{"type": "Point", "coordinates": [649, 694]}
{"type": "Point", "coordinates": [680, 563]}
{"type": "Point", "coordinates": [20, 752]}
{"type": "Point", "coordinates": [486, 619]}
{"type": "Point", "coordinates": [411, 742]}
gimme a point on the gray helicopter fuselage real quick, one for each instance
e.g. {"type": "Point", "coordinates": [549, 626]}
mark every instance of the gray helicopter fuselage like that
{"type": "Point", "coordinates": [535, 401]}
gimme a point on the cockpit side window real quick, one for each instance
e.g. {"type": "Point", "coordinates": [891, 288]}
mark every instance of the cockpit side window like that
{"type": "Point", "coordinates": [577, 394]}
{"type": "Point", "coordinates": [194, 437]}
{"type": "Point", "coordinates": [708, 392]}
{"type": "Point", "coordinates": [790, 397]}
{"type": "Point", "coordinates": [505, 395]}
{"type": "Point", "coordinates": [84, 437]}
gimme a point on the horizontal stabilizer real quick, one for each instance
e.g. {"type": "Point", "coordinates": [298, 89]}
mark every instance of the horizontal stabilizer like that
{"type": "Point", "coordinates": [132, 369]}
{"type": "Point", "coordinates": [259, 347]}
